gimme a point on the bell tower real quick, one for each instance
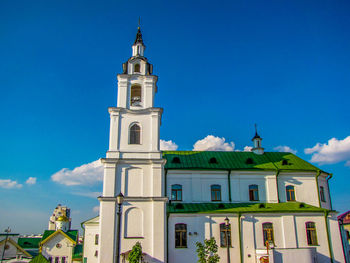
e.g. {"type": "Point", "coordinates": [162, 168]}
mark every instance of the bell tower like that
{"type": "Point", "coordinates": [134, 165]}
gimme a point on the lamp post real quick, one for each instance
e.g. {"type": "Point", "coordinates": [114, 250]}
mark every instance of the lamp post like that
{"type": "Point", "coordinates": [227, 225]}
{"type": "Point", "coordinates": [7, 231]}
{"type": "Point", "coordinates": [120, 199]}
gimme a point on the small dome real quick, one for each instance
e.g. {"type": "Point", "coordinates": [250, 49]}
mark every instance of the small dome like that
{"type": "Point", "coordinates": [63, 218]}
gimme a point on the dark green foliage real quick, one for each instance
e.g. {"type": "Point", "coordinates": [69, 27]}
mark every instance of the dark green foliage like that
{"type": "Point", "coordinates": [207, 252]}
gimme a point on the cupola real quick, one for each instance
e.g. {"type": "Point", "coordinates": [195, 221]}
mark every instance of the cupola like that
{"type": "Point", "coordinates": [62, 223]}
{"type": "Point", "coordinates": [257, 149]}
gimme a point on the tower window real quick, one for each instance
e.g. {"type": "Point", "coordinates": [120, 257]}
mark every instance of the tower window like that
{"type": "Point", "coordinates": [176, 192]}
{"type": "Point", "coordinates": [253, 192]}
{"type": "Point", "coordinates": [137, 68]}
{"type": "Point", "coordinates": [135, 134]}
{"type": "Point", "coordinates": [290, 193]}
{"type": "Point", "coordinates": [135, 98]}
{"type": "Point", "coordinates": [323, 198]}
{"type": "Point", "coordinates": [180, 236]}
{"type": "Point", "coordinates": [268, 233]}
{"type": "Point", "coordinates": [225, 233]}
{"type": "Point", "coordinates": [311, 233]}
{"type": "Point", "coordinates": [215, 192]}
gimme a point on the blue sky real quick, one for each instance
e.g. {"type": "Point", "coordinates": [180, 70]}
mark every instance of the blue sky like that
{"type": "Point", "coordinates": [222, 67]}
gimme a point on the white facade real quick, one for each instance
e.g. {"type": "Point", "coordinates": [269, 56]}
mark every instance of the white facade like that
{"type": "Point", "coordinates": [58, 246]}
{"type": "Point", "coordinates": [135, 167]}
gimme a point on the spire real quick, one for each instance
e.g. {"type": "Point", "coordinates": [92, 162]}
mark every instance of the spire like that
{"type": "Point", "coordinates": [138, 39]}
{"type": "Point", "coordinates": [256, 133]}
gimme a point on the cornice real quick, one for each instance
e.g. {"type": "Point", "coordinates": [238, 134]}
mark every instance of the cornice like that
{"type": "Point", "coordinates": [134, 198]}
{"type": "Point", "coordinates": [140, 111]}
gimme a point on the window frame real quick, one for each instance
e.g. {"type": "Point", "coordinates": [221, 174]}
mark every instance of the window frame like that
{"type": "Point", "coordinates": [97, 236]}
{"type": "Point", "coordinates": [215, 193]}
{"type": "Point", "coordinates": [311, 233]}
{"type": "Point", "coordinates": [181, 234]}
{"type": "Point", "coordinates": [177, 191]}
{"type": "Point", "coordinates": [137, 66]}
{"type": "Point", "coordinates": [137, 139]}
{"type": "Point", "coordinates": [253, 192]}
{"type": "Point", "coordinates": [223, 232]}
{"type": "Point", "coordinates": [289, 194]}
{"type": "Point", "coordinates": [322, 195]}
{"type": "Point", "coordinates": [269, 233]}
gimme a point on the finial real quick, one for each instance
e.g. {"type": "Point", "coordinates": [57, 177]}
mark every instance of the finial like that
{"type": "Point", "coordinates": [139, 23]}
{"type": "Point", "coordinates": [256, 132]}
{"type": "Point", "coordinates": [256, 129]}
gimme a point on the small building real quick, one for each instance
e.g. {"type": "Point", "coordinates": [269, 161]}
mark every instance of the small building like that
{"type": "Point", "coordinates": [10, 251]}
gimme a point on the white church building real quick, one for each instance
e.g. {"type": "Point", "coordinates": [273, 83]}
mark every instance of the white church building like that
{"type": "Point", "coordinates": [276, 204]}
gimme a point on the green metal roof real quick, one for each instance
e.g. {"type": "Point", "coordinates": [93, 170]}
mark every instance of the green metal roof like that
{"type": "Point", "coordinates": [39, 259]}
{"type": "Point", "coordinates": [29, 242]}
{"type": "Point", "coordinates": [78, 251]}
{"type": "Point", "coordinates": [73, 234]}
{"type": "Point", "coordinates": [197, 160]}
{"type": "Point", "coordinates": [226, 208]}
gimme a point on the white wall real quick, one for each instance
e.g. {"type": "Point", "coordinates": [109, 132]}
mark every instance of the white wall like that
{"type": "Point", "coordinates": [89, 242]}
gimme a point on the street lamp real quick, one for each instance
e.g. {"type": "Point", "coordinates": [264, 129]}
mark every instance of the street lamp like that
{"type": "Point", "coordinates": [7, 231]}
{"type": "Point", "coordinates": [227, 225]}
{"type": "Point", "coordinates": [120, 199]}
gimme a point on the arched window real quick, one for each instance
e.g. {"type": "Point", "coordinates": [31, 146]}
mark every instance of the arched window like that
{"type": "Point", "coordinates": [135, 96]}
{"type": "Point", "coordinates": [290, 193]}
{"type": "Point", "coordinates": [135, 134]}
{"type": "Point", "coordinates": [180, 235]}
{"type": "Point", "coordinates": [176, 192]}
{"type": "Point", "coordinates": [225, 232]}
{"type": "Point", "coordinates": [253, 192]}
{"type": "Point", "coordinates": [268, 233]}
{"type": "Point", "coordinates": [215, 192]}
{"type": "Point", "coordinates": [322, 196]}
{"type": "Point", "coordinates": [137, 68]}
{"type": "Point", "coordinates": [311, 233]}
{"type": "Point", "coordinates": [96, 239]}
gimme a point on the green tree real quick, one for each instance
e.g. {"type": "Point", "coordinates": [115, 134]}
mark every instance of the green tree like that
{"type": "Point", "coordinates": [207, 252]}
{"type": "Point", "coordinates": [135, 255]}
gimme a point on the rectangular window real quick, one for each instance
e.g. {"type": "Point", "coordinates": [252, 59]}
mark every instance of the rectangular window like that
{"type": "Point", "coordinates": [176, 192]}
{"type": "Point", "coordinates": [322, 196]}
{"type": "Point", "coordinates": [253, 193]}
{"type": "Point", "coordinates": [180, 236]}
{"type": "Point", "coordinates": [63, 260]}
{"type": "Point", "coordinates": [50, 259]}
{"type": "Point", "coordinates": [57, 260]}
{"type": "Point", "coordinates": [225, 232]}
{"type": "Point", "coordinates": [290, 193]}
{"type": "Point", "coordinates": [215, 193]}
{"type": "Point", "coordinates": [96, 239]}
{"type": "Point", "coordinates": [311, 234]}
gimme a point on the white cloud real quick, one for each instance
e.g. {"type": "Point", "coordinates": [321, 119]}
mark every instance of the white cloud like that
{"type": "Point", "coordinates": [247, 149]}
{"type": "Point", "coordinates": [9, 184]}
{"type": "Point", "coordinates": [31, 180]}
{"type": "Point", "coordinates": [285, 148]}
{"type": "Point", "coordinates": [86, 174]}
{"type": "Point", "coordinates": [96, 209]}
{"type": "Point", "coordinates": [212, 143]}
{"type": "Point", "coordinates": [168, 145]}
{"type": "Point", "coordinates": [334, 151]}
